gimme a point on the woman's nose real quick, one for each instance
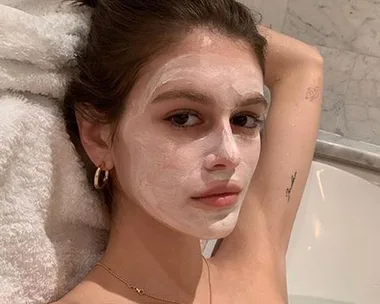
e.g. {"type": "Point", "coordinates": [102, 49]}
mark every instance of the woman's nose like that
{"type": "Point", "coordinates": [225, 154]}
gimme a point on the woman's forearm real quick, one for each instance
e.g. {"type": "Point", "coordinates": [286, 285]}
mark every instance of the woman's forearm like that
{"type": "Point", "coordinates": [286, 56]}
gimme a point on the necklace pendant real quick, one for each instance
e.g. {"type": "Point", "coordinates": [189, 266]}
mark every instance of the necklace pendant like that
{"type": "Point", "coordinates": [140, 291]}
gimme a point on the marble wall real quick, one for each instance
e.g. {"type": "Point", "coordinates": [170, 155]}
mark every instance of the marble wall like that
{"type": "Point", "coordinates": [347, 32]}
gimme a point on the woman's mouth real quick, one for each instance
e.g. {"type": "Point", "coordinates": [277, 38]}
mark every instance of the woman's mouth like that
{"type": "Point", "coordinates": [221, 195]}
{"type": "Point", "coordinates": [219, 200]}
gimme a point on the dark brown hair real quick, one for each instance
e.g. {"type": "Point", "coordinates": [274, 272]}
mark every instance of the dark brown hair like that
{"type": "Point", "coordinates": [126, 35]}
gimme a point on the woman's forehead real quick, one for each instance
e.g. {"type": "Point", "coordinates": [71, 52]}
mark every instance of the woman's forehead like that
{"type": "Point", "coordinates": [207, 69]}
{"type": "Point", "coordinates": [208, 51]}
{"type": "Point", "coordinates": [209, 64]}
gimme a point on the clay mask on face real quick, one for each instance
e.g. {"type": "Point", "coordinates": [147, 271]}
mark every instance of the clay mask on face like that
{"type": "Point", "coordinates": [169, 152]}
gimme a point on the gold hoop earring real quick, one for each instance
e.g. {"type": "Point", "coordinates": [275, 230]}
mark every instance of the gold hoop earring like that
{"type": "Point", "coordinates": [99, 171]}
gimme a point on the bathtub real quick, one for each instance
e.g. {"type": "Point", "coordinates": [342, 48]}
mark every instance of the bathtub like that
{"type": "Point", "coordinates": [334, 253]}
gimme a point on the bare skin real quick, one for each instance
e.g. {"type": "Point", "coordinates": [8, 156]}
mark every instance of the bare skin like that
{"type": "Point", "coordinates": [249, 266]}
{"type": "Point", "coordinates": [262, 235]}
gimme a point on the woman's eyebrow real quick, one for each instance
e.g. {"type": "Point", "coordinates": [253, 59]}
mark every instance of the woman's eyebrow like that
{"type": "Point", "coordinates": [255, 99]}
{"type": "Point", "coordinates": [183, 94]}
{"type": "Point", "coordinates": [202, 98]}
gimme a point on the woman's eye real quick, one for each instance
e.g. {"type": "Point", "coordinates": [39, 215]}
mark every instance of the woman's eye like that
{"type": "Point", "coordinates": [184, 120]}
{"type": "Point", "coordinates": [246, 121]}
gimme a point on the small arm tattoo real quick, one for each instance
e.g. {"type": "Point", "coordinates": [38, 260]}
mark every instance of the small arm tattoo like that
{"type": "Point", "coordinates": [313, 93]}
{"type": "Point", "coordinates": [289, 190]}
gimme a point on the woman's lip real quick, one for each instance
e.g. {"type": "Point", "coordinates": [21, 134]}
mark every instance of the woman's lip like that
{"type": "Point", "coordinates": [219, 189]}
{"type": "Point", "coordinates": [216, 195]}
{"type": "Point", "coordinates": [221, 200]}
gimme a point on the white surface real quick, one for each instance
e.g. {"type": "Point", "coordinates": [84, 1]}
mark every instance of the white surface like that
{"type": "Point", "coordinates": [334, 252]}
{"type": "Point", "coordinates": [311, 300]}
{"type": "Point", "coordinates": [209, 248]}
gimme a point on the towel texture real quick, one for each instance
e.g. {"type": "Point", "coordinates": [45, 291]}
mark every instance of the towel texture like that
{"type": "Point", "coordinates": [53, 227]}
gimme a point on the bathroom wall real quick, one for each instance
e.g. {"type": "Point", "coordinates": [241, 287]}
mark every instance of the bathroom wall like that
{"type": "Point", "coordinates": [347, 32]}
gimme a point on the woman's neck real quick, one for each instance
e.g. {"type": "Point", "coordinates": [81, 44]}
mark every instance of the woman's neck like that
{"type": "Point", "coordinates": [154, 257]}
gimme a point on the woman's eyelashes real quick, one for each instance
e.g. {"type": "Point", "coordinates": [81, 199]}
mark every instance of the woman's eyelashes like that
{"type": "Point", "coordinates": [184, 119]}
{"type": "Point", "coordinates": [246, 121]}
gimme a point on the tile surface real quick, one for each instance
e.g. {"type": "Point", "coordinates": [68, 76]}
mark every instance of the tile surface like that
{"type": "Point", "coordinates": [362, 100]}
{"type": "Point", "coordinates": [272, 11]}
{"type": "Point", "coordinates": [338, 68]}
{"type": "Point", "coordinates": [252, 4]}
{"type": "Point", "coordinates": [343, 24]}
{"type": "Point", "coordinates": [348, 36]}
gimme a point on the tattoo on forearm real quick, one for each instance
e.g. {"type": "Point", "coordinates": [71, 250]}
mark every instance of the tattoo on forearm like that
{"type": "Point", "coordinates": [313, 93]}
{"type": "Point", "coordinates": [289, 190]}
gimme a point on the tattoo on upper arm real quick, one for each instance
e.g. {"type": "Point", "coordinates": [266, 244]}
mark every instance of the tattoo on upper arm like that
{"type": "Point", "coordinates": [313, 93]}
{"type": "Point", "coordinates": [289, 190]}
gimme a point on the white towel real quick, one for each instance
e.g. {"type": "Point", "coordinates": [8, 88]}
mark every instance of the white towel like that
{"type": "Point", "coordinates": [53, 227]}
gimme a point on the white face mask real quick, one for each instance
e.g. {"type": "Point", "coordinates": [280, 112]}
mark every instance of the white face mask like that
{"type": "Point", "coordinates": [165, 162]}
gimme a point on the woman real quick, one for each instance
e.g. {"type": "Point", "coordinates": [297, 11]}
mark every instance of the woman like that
{"type": "Point", "coordinates": [169, 106]}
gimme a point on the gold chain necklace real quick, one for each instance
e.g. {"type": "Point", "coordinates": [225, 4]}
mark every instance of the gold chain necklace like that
{"type": "Point", "coordinates": [142, 292]}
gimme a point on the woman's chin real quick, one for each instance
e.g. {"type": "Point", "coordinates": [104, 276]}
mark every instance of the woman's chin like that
{"type": "Point", "coordinates": [214, 233]}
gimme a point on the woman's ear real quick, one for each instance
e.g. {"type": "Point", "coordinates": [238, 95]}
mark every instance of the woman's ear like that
{"type": "Point", "coordinates": [96, 140]}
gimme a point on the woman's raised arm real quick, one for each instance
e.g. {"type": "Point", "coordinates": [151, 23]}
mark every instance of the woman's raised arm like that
{"type": "Point", "coordinates": [295, 78]}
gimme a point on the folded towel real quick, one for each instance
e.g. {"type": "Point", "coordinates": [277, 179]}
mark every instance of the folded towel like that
{"type": "Point", "coordinates": [53, 227]}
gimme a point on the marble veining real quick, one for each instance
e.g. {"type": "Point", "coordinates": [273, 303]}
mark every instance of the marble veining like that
{"type": "Point", "coordinates": [348, 37]}
{"type": "Point", "coordinates": [272, 11]}
{"type": "Point", "coordinates": [343, 24]}
{"type": "Point", "coordinates": [252, 4]}
{"type": "Point", "coordinates": [362, 100]}
{"type": "Point", "coordinates": [338, 67]}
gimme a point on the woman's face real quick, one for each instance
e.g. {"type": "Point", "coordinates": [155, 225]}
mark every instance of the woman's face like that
{"type": "Point", "coordinates": [188, 144]}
